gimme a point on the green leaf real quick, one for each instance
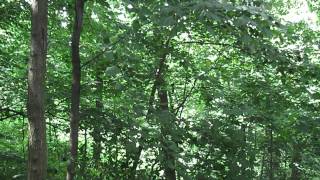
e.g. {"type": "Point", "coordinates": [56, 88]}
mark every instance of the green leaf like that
{"type": "Point", "coordinates": [109, 56]}
{"type": "Point", "coordinates": [131, 147]}
{"type": "Point", "coordinates": [112, 71]}
{"type": "Point", "coordinates": [167, 21]}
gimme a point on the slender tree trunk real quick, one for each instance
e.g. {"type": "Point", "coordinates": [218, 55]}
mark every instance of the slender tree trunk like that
{"type": "Point", "coordinates": [84, 158]}
{"type": "Point", "coordinates": [136, 157]}
{"type": "Point", "coordinates": [75, 96]}
{"type": "Point", "coordinates": [271, 151]}
{"type": "Point", "coordinates": [96, 128]}
{"type": "Point", "coordinates": [296, 160]}
{"type": "Point", "coordinates": [244, 150]}
{"type": "Point", "coordinates": [169, 160]}
{"type": "Point", "coordinates": [37, 157]}
{"type": "Point", "coordinates": [149, 112]}
{"type": "Point", "coordinates": [166, 126]}
{"type": "Point", "coordinates": [159, 84]}
{"type": "Point", "coordinates": [262, 166]}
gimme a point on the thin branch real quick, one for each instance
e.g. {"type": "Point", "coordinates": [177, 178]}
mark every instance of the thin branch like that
{"type": "Point", "coordinates": [96, 56]}
{"type": "Point", "coordinates": [54, 116]}
{"type": "Point", "coordinates": [8, 111]}
{"type": "Point", "coordinates": [181, 105]}
{"type": "Point", "coordinates": [204, 42]}
{"type": "Point", "coordinates": [7, 117]}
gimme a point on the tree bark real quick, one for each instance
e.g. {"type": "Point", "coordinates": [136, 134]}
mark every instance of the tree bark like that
{"type": "Point", "coordinates": [169, 170]}
{"type": "Point", "coordinates": [75, 89]}
{"type": "Point", "coordinates": [37, 156]}
{"type": "Point", "coordinates": [84, 150]}
{"type": "Point", "coordinates": [96, 127]}
{"type": "Point", "coordinates": [243, 152]}
{"type": "Point", "coordinates": [154, 88]}
{"type": "Point", "coordinates": [160, 86]}
{"type": "Point", "coordinates": [136, 157]}
{"type": "Point", "coordinates": [169, 159]}
{"type": "Point", "coordinates": [296, 160]}
{"type": "Point", "coordinates": [261, 175]}
{"type": "Point", "coordinates": [271, 151]}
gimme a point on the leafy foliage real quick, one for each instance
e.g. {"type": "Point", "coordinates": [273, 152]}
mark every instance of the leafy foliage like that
{"type": "Point", "coordinates": [242, 90]}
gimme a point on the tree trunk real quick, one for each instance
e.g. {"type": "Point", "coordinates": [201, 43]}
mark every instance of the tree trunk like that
{"type": "Point", "coordinates": [261, 175]}
{"type": "Point", "coordinates": [243, 152]}
{"type": "Point", "coordinates": [96, 127]}
{"type": "Point", "coordinates": [158, 75]}
{"type": "Point", "coordinates": [169, 159]}
{"type": "Point", "coordinates": [84, 156]}
{"type": "Point", "coordinates": [136, 157]}
{"type": "Point", "coordinates": [296, 160]}
{"type": "Point", "coordinates": [271, 151]}
{"type": "Point", "coordinates": [75, 96]}
{"type": "Point", "coordinates": [37, 157]}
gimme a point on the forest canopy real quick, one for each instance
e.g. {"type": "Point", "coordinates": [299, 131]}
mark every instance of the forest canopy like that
{"type": "Point", "coordinates": [159, 89]}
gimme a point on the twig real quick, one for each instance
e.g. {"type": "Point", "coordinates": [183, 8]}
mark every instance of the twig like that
{"type": "Point", "coordinates": [95, 57]}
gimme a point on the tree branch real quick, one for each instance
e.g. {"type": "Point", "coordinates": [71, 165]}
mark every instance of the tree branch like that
{"type": "Point", "coordinates": [8, 112]}
{"type": "Point", "coordinates": [96, 56]}
{"type": "Point", "coordinates": [201, 42]}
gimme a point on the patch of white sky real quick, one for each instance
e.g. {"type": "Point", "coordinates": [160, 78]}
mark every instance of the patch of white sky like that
{"type": "Point", "coordinates": [302, 13]}
{"type": "Point", "coordinates": [123, 16]}
{"type": "Point", "coordinates": [94, 16]}
{"type": "Point", "coordinates": [63, 13]}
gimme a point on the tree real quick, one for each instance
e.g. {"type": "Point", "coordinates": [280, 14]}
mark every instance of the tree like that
{"type": "Point", "coordinates": [37, 156]}
{"type": "Point", "coordinates": [182, 89]}
{"type": "Point", "coordinates": [75, 90]}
